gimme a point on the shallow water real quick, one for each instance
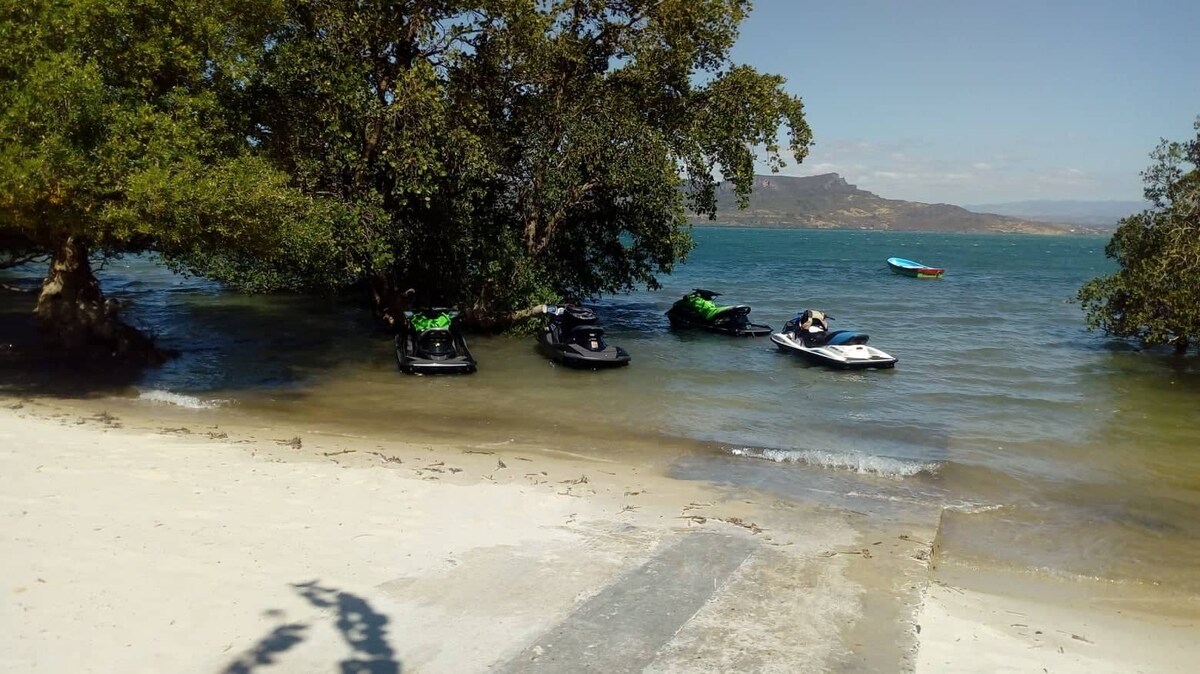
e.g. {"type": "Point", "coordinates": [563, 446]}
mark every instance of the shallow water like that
{"type": "Point", "coordinates": [1052, 448]}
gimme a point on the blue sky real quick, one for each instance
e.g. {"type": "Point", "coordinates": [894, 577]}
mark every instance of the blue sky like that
{"type": "Point", "coordinates": [973, 101]}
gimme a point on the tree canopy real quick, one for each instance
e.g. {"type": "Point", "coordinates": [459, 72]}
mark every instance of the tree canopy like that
{"type": "Point", "coordinates": [1155, 295]}
{"type": "Point", "coordinates": [502, 152]}
{"type": "Point", "coordinates": [488, 153]}
{"type": "Point", "coordinates": [113, 139]}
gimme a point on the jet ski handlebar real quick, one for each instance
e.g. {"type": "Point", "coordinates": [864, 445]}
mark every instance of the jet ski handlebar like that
{"type": "Point", "coordinates": [575, 311]}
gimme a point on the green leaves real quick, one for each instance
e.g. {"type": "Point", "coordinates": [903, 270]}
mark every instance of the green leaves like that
{"type": "Point", "coordinates": [116, 128]}
{"type": "Point", "coordinates": [594, 118]}
{"type": "Point", "coordinates": [492, 154]}
{"type": "Point", "coordinates": [1155, 296]}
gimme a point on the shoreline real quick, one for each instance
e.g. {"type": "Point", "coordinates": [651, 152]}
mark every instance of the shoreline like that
{"type": "Point", "coordinates": [1080, 232]}
{"type": "Point", "coordinates": [237, 541]}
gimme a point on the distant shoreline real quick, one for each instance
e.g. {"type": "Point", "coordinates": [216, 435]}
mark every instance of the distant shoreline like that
{"type": "Point", "coordinates": [827, 201]}
{"type": "Point", "coordinates": [1064, 233]}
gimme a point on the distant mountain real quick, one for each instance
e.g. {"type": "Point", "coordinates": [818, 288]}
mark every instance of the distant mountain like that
{"type": "Point", "coordinates": [829, 202]}
{"type": "Point", "coordinates": [1103, 214]}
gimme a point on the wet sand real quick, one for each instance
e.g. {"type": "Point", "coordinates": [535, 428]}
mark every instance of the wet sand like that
{"type": "Point", "coordinates": [142, 538]}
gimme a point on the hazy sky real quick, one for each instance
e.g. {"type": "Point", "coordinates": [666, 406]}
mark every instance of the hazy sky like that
{"type": "Point", "coordinates": [973, 101]}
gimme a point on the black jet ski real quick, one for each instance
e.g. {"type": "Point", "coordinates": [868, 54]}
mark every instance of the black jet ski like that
{"type": "Point", "coordinates": [698, 310]}
{"type": "Point", "coordinates": [430, 342]}
{"type": "Point", "coordinates": [808, 335]}
{"type": "Point", "coordinates": [573, 338]}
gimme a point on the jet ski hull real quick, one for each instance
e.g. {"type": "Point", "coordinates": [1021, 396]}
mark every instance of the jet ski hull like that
{"type": "Point", "coordinates": [412, 361]}
{"type": "Point", "coordinates": [698, 309]}
{"type": "Point", "coordinates": [841, 356]}
{"type": "Point", "coordinates": [736, 325]}
{"type": "Point", "coordinates": [573, 355]}
{"type": "Point", "coordinates": [583, 347]}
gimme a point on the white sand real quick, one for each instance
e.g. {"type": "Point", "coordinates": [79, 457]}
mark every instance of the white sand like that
{"type": "Point", "coordinates": [970, 631]}
{"type": "Point", "coordinates": [130, 550]}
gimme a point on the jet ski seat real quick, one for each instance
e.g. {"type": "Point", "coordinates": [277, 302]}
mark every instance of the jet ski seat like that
{"type": "Point", "coordinates": [814, 339]}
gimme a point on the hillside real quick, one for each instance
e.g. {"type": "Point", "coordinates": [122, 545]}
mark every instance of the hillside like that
{"type": "Point", "coordinates": [1096, 214]}
{"type": "Point", "coordinates": [829, 202]}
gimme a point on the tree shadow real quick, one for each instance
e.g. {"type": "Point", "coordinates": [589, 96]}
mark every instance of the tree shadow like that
{"type": "Point", "coordinates": [222, 340]}
{"type": "Point", "coordinates": [364, 630]}
{"type": "Point", "coordinates": [28, 368]}
{"type": "Point", "coordinates": [267, 649]}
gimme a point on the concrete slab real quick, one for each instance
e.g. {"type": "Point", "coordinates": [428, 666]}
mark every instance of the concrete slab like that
{"type": "Point", "coordinates": [623, 627]}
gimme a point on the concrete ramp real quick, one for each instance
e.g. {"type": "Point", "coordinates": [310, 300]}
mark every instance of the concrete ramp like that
{"type": "Point", "coordinates": [624, 626]}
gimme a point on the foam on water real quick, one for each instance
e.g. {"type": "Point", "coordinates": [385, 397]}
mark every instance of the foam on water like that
{"type": "Point", "coordinates": [972, 508]}
{"type": "Point", "coordinates": [881, 466]}
{"type": "Point", "coordinates": [178, 399]}
{"type": "Point", "coordinates": [927, 499]}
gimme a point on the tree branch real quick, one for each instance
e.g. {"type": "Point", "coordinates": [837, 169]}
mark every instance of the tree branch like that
{"type": "Point", "coordinates": [17, 259]}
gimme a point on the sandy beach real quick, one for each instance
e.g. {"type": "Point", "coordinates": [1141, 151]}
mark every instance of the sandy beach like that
{"type": "Point", "coordinates": [138, 539]}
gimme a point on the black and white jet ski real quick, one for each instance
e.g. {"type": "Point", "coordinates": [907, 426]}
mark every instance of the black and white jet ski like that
{"type": "Point", "coordinates": [808, 335]}
{"type": "Point", "coordinates": [698, 310]}
{"type": "Point", "coordinates": [430, 342]}
{"type": "Point", "coordinates": [573, 338]}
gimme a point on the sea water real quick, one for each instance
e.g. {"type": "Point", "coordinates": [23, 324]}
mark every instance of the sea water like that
{"type": "Point", "coordinates": [1037, 444]}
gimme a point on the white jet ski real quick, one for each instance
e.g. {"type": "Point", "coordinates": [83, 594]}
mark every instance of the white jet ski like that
{"type": "Point", "coordinates": [808, 335]}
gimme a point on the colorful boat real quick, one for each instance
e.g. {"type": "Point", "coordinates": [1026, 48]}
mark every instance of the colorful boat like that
{"type": "Point", "coordinates": [914, 269]}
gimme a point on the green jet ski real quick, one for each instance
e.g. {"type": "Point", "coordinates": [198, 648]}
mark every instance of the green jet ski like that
{"type": "Point", "coordinates": [698, 310]}
{"type": "Point", "coordinates": [430, 342]}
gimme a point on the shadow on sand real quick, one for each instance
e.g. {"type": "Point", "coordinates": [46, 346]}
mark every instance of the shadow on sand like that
{"type": "Point", "coordinates": [267, 649]}
{"type": "Point", "coordinates": [363, 629]}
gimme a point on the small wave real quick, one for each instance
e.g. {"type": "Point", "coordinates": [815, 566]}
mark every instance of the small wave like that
{"type": "Point", "coordinates": [922, 499]}
{"type": "Point", "coordinates": [895, 498]}
{"type": "Point", "coordinates": [179, 400]}
{"type": "Point", "coordinates": [972, 508]}
{"type": "Point", "coordinates": [882, 466]}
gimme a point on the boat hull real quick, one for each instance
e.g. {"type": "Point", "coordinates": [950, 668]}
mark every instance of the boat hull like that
{"type": "Point", "coordinates": [914, 269]}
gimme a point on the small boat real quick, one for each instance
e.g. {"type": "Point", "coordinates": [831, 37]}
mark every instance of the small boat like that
{"type": "Point", "coordinates": [808, 335]}
{"type": "Point", "coordinates": [914, 269]}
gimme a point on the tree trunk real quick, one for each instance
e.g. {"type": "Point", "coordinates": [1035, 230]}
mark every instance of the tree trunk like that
{"type": "Point", "coordinates": [390, 303]}
{"type": "Point", "coordinates": [483, 320]}
{"type": "Point", "coordinates": [74, 317]}
{"type": "Point", "coordinates": [387, 299]}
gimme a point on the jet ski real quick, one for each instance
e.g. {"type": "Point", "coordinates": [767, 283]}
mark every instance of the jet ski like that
{"type": "Point", "coordinates": [573, 339]}
{"type": "Point", "coordinates": [430, 342]}
{"type": "Point", "coordinates": [808, 335]}
{"type": "Point", "coordinates": [698, 310]}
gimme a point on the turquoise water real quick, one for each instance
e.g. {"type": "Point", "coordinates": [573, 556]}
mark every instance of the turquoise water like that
{"type": "Point", "coordinates": [1052, 448]}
